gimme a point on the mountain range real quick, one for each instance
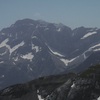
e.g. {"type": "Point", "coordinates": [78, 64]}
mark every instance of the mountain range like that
{"type": "Point", "coordinates": [30, 49]}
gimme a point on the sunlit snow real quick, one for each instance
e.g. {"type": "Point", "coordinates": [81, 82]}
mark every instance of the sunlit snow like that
{"type": "Point", "coordinates": [97, 49]}
{"type": "Point", "coordinates": [16, 47]}
{"type": "Point", "coordinates": [15, 59]}
{"type": "Point", "coordinates": [1, 54]}
{"type": "Point", "coordinates": [55, 53]}
{"type": "Point", "coordinates": [88, 34]}
{"type": "Point", "coordinates": [59, 29]}
{"type": "Point", "coordinates": [1, 62]}
{"type": "Point", "coordinates": [97, 45]}
{"type": "Point", "coordinates": [4, 43]}
{"type": "Point", "coordinates": [29, 68]}
{"type": "Point", "coordinates": [28, 56]}
{"type": "Point", "coordinates": [98, 98]}
{"type": "Point", "coordinates": [34, 37]}
{"type": "Point", "coordinates": [73, 85]}
{"type": "Point", "coordinates": [84, 55]}
{"type": "Point", "coordinates": [36, 48]}
{"type": "Point", "coordinates": [94, 48]}
{"type": "Point", "coordinates": [66, 61]}
{"type": "Point", "coordinates": [39, 96]}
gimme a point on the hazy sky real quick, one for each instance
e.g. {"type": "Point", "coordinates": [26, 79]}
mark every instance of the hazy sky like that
{"type": "Point", "coordinates": [73, 13]}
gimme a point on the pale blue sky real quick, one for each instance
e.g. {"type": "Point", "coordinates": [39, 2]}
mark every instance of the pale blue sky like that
{"type": "Point", "coordinates": [73, 13]}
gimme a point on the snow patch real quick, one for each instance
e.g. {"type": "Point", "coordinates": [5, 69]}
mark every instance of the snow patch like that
{"type": "Point", "coordinates": [15, 59]}
{"type": "Point", "coordinates": [40, 98]}
{"type": "Point", "coordinates": [16, 47]}
{"type": "Point", "coordinates": [36, 48]}
{"type": "Point", "coordinates": [92, 48]}
{"type": "Point", "coordinates": [84, 55]}
{"type": "Point", "coordinates": [28, 56]}
{"type": "Point", "coordinates": [66, 61]}
{"type": "Point", "coordinates": [58, 54]}
{"type": "Point", "coordinates": [3, 53]}
{"type": "Point", "coordinates": [75, 59]}
{"type": "Point", "coordinates": [54, 52]}
{"type": "Point", "coordinates": [96, 49]}
{"type": "Point", "coordinates": [73, 85]}
{"type": "Point", "coordinates": [3, 43]}
{"type": "Point", "coordinates": [59, 29]}
{"type": "Point", "coordinates": [37, 91]}
{"type": "Point", "coordinates": [11, 50]}
{"type": "Point", "coordinates": [1, 62]}
{"type": "Point", "coordinates": [88, 34]}
{"type": "Point", "coordinates": [29, 68]}
{"type": "Point", "coordinates": [98, 98]}
{"type": "Point", "coordinates": [97, 45]}
{"type": "Point", "coordinates": [2, 76]}
{"type": "Point", "coordinates": [34, 37]}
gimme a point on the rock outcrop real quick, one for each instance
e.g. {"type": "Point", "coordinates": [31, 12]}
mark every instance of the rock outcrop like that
{"type": "Point", "coordinates": [84, 86]}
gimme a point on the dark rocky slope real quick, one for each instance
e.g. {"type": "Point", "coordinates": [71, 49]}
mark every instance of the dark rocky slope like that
{"type": "Point", "coordinates": [84, 86]}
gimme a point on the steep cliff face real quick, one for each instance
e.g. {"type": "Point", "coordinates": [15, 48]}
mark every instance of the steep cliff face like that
{"type": "Point", "coordinates": [84, 86]}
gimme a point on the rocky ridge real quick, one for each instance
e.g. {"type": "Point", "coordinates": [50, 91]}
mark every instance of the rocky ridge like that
{"type": "Point", "coordinates": [84, 86]}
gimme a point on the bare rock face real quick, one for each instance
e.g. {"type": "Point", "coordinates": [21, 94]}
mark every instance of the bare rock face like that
{"type": "Point", "coordinates": [84, 86]}
{"type": "Point", "coordinates": [19, 92]}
